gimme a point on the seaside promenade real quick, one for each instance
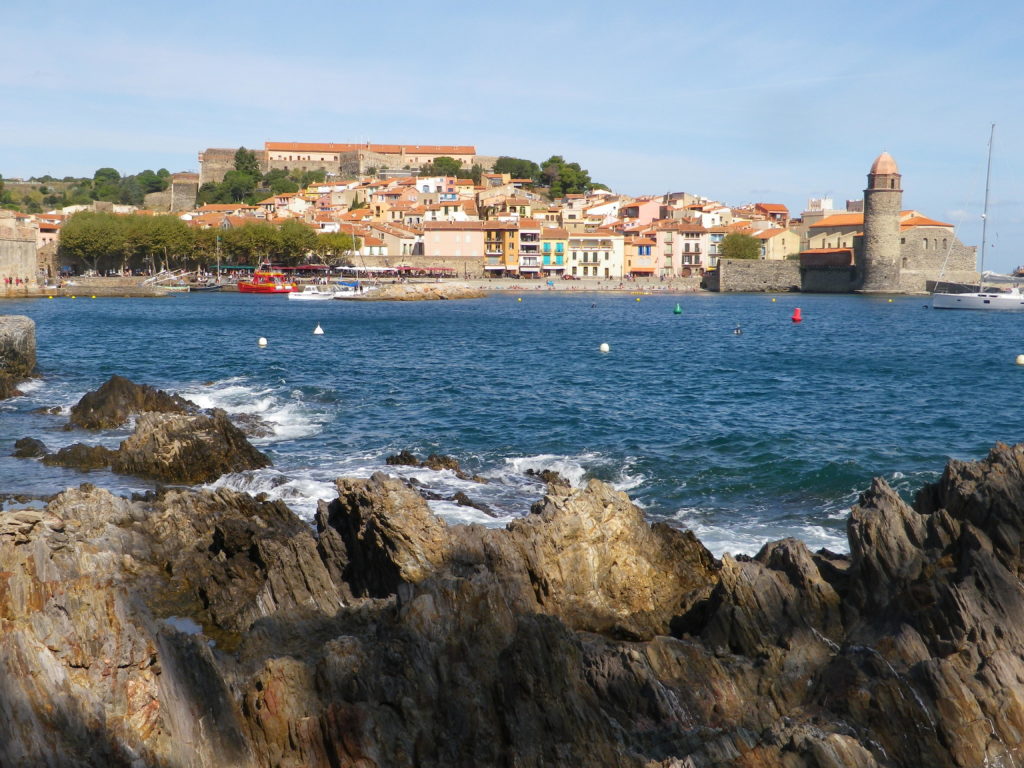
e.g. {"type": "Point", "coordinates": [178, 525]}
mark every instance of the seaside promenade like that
{"type": "Point", "coordinates": [133, 287]}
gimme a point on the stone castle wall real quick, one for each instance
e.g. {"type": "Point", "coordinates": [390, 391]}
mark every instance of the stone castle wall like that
{"type": "Point", "coordinates": [214, 163]}
{"type": "Point", "coordinates": [754, 276]}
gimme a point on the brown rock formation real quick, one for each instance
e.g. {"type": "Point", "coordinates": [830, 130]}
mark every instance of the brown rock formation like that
{"type": "Point", "coordinates": [118, 399]}
{"type": "Point", "coordinates": [577, 636]}
{"type": "Point", "coordinates": [17, 352]}
{"type": "Point", "coordinates": [187, 448]}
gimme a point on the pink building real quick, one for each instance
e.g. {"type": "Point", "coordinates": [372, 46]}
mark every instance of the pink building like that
{"type": "Point", "coordinates": [459, 239]}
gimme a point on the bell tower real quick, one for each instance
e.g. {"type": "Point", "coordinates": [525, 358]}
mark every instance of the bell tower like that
{"type": "Point", "coordinates": [880, 263]}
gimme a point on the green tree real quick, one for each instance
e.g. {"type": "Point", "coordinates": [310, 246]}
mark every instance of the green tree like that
{"type": "Point", "coordinates": [740, 246]}
{"type": "Point", "coordinates": [336, 248]}
{"type": "Point", "coordinates": [441, 166]}
{"type": "Point", "coordinates": [565, 178]}
{"type": "Point", "coordinates": [236, 187]}
{"type": "Point", "coordinates": [517, 168]}
{"type": "Point", "coordinates": [92, 238]}
{"type": "Point", "coordinates": [250, 244]}
{"type": "Point", "coordinates": [246, 162]}
{"type": "Point", "coordinates": [106, 185]}
{"type": "Point", "coordinates": [295, 240]}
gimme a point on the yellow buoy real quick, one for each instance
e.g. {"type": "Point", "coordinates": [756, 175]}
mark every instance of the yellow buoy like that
{"type": "Point", "coordinates": [1020, 359]}
{"type": "Point", "coordinates": [520, 298]}
{"type": "Point", "coordinates": [92, 297]}
{"type": "Point", "coordinates": [890, 301]}
{"type": "Point", "coordinates": [638, 298]}
{"type": "Point", "coordinates": [773, 299]}
{"type": "Point", "coordinates": [49, 297]}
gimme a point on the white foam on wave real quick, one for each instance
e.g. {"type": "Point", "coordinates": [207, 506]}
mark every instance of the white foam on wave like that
{"type": "Point", "coordinates": [570, 467]}
{"type": "Point", "coordinates": [747, 536]}
{"type": "Point", "coordinates": [300, 491]}
{"type": "Point", "coordinates": [28, 386]}
{"type": "Point", "coordinates": [287, 415]}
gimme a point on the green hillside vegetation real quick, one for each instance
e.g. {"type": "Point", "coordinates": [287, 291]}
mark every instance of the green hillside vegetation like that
{"type": "Point", "coordinates": [45, 193]}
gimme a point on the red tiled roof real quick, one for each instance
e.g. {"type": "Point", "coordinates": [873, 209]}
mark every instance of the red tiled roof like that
{"type": "Point", "coordinates": [840, 220]}
{"type": "Point", "coordinates": [384, 149]}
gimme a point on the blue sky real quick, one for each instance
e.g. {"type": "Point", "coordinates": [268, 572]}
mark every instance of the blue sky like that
{"type": "Point", "coordinates": [740, 101]}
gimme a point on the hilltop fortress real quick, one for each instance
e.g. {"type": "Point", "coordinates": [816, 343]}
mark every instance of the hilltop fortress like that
{"type": "Point", "coordinates": [339, 159]}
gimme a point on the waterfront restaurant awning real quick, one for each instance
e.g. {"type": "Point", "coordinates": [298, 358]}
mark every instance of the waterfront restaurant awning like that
{"type": "Point", "coordinates": [641, 271]}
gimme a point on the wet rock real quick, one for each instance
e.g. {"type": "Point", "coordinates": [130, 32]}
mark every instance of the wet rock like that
{"type": "Point", "coordinates": [186, 448]}
{"type": "Point", "coordinates": [119, 399]}
{"type": "Point", "coordinates": [17, 352]}
{"type": "Point", "coordinates": [80, 456]}
{"type": "Point", "coordinates": [252, 425]}
{"type": "Point", "coordinates": [403, 459]}
{"type": "Point", "coordinates": [435, 461]}
{"type": "Point", "coordinates": [29, 448]}
{"type": "Point", "coordinates": [578, 635]}
{"type": "Point", "coordinates": [53, 410]}
{"type": "Point", "coordinates": [463, 500]}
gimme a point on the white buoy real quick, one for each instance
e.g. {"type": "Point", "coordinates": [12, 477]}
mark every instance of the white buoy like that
{"type": "Point", "coordinates": [1020, 359]}
{"type": "Point", "coordinates": [262, 342]}
{"type": "Point", "coordinates": [604, 347]}
{"type": "Point", "coordinates": [318, 331]}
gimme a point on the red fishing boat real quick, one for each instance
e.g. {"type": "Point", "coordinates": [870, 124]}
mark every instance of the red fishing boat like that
{"type": "Point", "coordinates": [267, 280]}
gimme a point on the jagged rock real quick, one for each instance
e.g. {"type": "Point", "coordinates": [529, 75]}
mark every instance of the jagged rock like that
{"type": "Point", "coordinates": [186, 448]}
{"type": "Point", "coordinates": [403, 459]}
{"type": "Point", "coordinates": [118, 399]}
{"type": "Point", "coordinates": [435, 461]}
{"type": "Point", "coordinates": [389, 638]}
{"type": "Point", "coordinates": [29, 448]}
{"type": "Point", "coordinates": [17, 352]}
{"type": "Point", "coordinates": [81, 456]}
{"type": "Point", "coordinates": [170, 447]}
{"type": "Point", "coordinates": [252, 425]}
{"type": "Point", "coordinates": [463, 500]}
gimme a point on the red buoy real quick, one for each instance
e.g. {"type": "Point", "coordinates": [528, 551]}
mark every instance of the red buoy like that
{"type": "Point", "coordinates": [796, 315]}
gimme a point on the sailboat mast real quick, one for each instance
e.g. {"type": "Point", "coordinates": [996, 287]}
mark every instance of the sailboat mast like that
{"type": "Point", "coordinates": [984, 214]}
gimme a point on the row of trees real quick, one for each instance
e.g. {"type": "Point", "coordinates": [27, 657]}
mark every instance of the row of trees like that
{"type": "Point", "coordinates": [246, 183]}
{"type": "Point", "coordinates": [105, 242]}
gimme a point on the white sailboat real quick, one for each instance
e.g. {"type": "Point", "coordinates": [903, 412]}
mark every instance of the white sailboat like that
{"type": "Point", "coordinates": [991, 299]}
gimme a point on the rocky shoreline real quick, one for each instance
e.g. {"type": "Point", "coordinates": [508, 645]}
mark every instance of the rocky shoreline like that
{"type": "Point", "coordinates": [211, 628]}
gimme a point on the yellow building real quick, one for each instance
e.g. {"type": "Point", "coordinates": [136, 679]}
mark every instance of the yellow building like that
{"type": "Point", "coordinates": [501, 248]}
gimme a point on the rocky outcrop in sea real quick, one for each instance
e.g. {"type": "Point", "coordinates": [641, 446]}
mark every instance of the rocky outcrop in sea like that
{"type": "Point", "coordinates": [209, 628]}
{"type": "Point", "coordinates": [17, 352]}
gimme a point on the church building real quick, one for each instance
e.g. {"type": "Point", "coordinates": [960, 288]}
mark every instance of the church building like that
{"type": "Point", "coordinates": [885, 249]}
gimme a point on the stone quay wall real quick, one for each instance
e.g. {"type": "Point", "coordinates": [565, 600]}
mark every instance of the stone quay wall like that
{"type": "Point", "coordinates": [754, 276]}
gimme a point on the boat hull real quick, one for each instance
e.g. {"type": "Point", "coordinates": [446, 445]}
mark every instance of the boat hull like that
{"type": "Point", "coordinates": [1005, 302]}
{"type": "Point", "coordinates": [265, 287]}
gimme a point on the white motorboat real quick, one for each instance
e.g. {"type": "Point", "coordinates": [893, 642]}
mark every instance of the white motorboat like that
{"type": "Point", "coordinates": [313, 293]}
{"type": "Point", "coordinates": [984, 298]}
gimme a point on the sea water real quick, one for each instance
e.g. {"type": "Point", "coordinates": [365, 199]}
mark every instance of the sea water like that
{"type": "Point", "coordinates": [742, 437]}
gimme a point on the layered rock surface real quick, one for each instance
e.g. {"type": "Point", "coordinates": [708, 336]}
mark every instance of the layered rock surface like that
{"type": "Point", "coordinates": [17, 352]}
{"type": "Point", "coordinates": [579, 635]}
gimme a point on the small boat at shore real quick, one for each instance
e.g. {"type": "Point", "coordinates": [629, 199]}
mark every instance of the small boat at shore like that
{"type": "Point", "coordinates": [352, 290]}
{"type": "Point", "coordinates": [313, 293]}
{"type": "Point", "coordinates": [267, 280]}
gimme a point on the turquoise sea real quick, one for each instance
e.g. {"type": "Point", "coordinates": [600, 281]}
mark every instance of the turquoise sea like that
{"type": "Point", "coordinates": [743, 438]}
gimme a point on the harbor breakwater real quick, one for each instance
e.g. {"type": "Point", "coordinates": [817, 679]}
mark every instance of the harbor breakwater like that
{"type": "Point", "coordinates": [208, 627]}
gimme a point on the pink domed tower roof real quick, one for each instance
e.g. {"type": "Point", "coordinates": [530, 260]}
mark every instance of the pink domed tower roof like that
{"type": "Point", "coordinates": [884, 164]}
